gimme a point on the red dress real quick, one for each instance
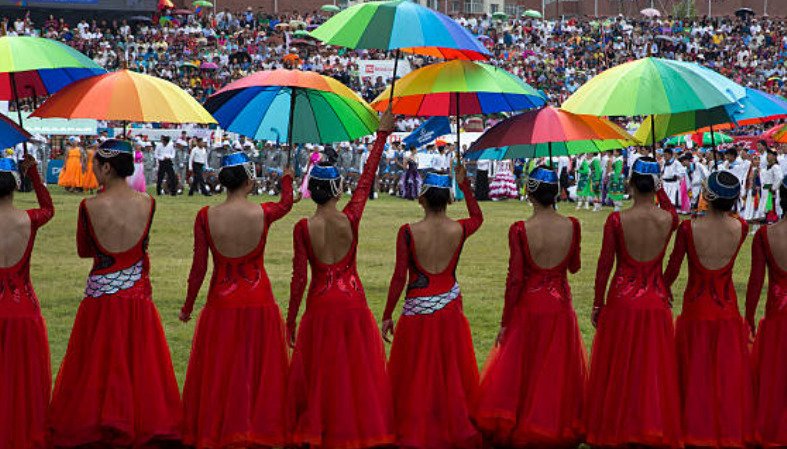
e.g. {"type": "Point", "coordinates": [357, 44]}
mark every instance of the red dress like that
{"type": "Point", "coordinates": [116, 384]}
{"type": "Point", "coordinates": [770, 346]}
{"type": "Point", "coordinates": [534, 382]}
{"type": "Point", "coordinates": [433, 369]}
{"type": "Point", "coordinates": [25, 374]}
{"type": "Point", "coordinates": [234, 392]}
{"type": "Point", "coordinates": [633, 395]}
{"type": "Point", "coordinates": [713, 356]}
{"type": "Point", "coordinates": [338, 391]}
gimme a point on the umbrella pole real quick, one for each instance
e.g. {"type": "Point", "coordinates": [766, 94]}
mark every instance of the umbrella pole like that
{"type": "Point", "coordinates": [18, 109]}
{"type": "Point", "coordinates": [293, 93]}
{"type": "Point", "coordinates": [549, 147]}
{"type": "Point", "coordinates": [653, 134]}
{"type": "Point", "coordinates": [458, 131]}
{"type": "Point", "coordinates": [713, 145]}
{"type": "Point", "coordinates": [393, 80]}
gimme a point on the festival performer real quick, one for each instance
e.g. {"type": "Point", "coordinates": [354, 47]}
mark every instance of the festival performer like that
{"type": "Point", "coordinates": [338, 392]}
{"type": "Point", "coordinates": [433, 335]}
{"type": "Point", "coordinates": [89, 181]}
{"type": "Point", "coordinates": [584, 184]}
{"type": "Point", "coordinates": [710, 333]}
{"type": "Point", "coordinates": [533, 385]}
{"type": "Point", "coordinates": [234, 393]}
{"type": "Point", "coordinates": [769, 250]}
{"type": "Point", "coordinates": [696, 174]}
{"type": "Point", "coordinates": [596, 176]}
{"type": "Point", "coordinates": [314, 158]}
{"type": "Point", "coordinates": [770, 178]}
{"type": "Point", "coordinates": [116, 385]}
{"type": "Point", "coordinates": [24, 350]}
{"type": "Point", "coordinates": [633, 389]}
{"type": "Point", "coordinates": [137, 180]}
{"type": "Point", "coordinates": [503, 186]}
{"type": "Point", "coordinates": [71, 176]}
{"type": "Point", "coordinates": [617, 181]}
{"type": "Point", "coordinates": [671, 174]}
{"type": "Point", "coordinates": [411, 181]}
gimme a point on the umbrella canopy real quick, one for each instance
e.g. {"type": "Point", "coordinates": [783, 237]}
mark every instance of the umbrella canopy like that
{"type": "Point", "coordinates": [543, 149]}
{"type": "Point", "coordinates": [209, 66]}
{"type": "Point", "coordinates": [11, 133]}
{"type": "Point", "coordinates": [653, 86]}
{"type": "Point", "coordinates": [472, 87]}
{"type": "Point", "coordinates": [744, 12]}
{"type": "Point", "coordinates": [401, 25]}
{"type": "Point", "coordinates": [667, 125]}
{"type": "Point", "coordinates": [182, 12]}
{"type": "Point", "coordinates": [330, 8]}
{"type": "Point", "coordinates": [532, 13]}
{"type": "Point", "coordinates": [165, 4]}
{"type": "Point", "coordinates": [300, 107]}
{"type": "Point", "coordinates": [704, 139]}
{"type": "Point", "coordinates": [758, 107]}
{"type": "Point", "coordinates": [203, 4]}
{"type": "Point", "coordinates": [780, 135]}
{"type": "Point", "coordinates": [650, 12]}
{"type": "Point", "coordinates": [125, 96]}
{"type": "Point", "coordinates": [40, 67]}
{"type": "Point", "coordinates": [500, 15]}
{"type": "Point", "coordinates": [301, 34]}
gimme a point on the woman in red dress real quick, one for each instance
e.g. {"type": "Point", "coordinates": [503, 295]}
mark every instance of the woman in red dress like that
{"type": "Point", "coordinates": [116, 386]}
{"type": "Point", "coordinates": [533, 386]}
{"type": "Point", "coordinates": [433, 369]}
{"type": "Point", "coordinates": [770, 347]}
{"type": "Point", "coordinates": [25, 374]}
{"type": "Point", "coordinates": [633, 394]}
{"type": "Point", "coordinates": [713, 357]}
{"type": "Point", "coordinates": [338, 391]}
{"type": "Point", "coordinates": [234, 392]}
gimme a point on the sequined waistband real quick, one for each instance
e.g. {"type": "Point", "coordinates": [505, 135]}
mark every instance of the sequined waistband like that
{"type": "Point", "coordinates": [110, 283]}
{"type": "Point", "coordinates": [427, 305]}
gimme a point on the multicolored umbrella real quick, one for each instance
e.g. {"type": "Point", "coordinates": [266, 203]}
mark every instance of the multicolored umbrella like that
{"type": "Point", "coordinates": [303, 107]}
{"type": "Point", "coordinates": [401, 25]}
{"type": "Point", "coordinates": [11, 133]}
{"type": "Point", "coordinates": [552, 128]}
{"type": "Point", "coordinates": [666, 125]}
{"type": "Point", "coordinates": [651, 86]}
{"type": "Point", "coordinates": [202, 4]}
{"type": "Point", "coordinates": [125, 96]}
{"type": "Point", "coordinates": [543, 149]}
{"type": "Point", "coordinates": [778, 134]}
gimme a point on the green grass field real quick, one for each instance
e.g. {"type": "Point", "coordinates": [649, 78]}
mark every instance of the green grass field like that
{"type": "Point", "coordinates": [59, 275]}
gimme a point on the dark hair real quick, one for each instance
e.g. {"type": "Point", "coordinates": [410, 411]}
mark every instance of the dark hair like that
{"type": "Point", "coordinates": [7, 184]}
{"type": "Point", "coordinates": [122, 163]}
{"type": "Point", "coordinates": [724, 204]}
{"type": "Point", "coordinates": [233, 178]}
{"type": "Point", "coordinates": [644, 183]}
{"type": "Point", "coordinates": [437, 199]}
{"type": "Point", "coordinates": [543, 193]}
{"type": "Point", "coordinates": [322, 190]}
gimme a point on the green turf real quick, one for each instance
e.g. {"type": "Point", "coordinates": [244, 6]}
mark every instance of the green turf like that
{"type": "Point", "coordinates": [59, 275]}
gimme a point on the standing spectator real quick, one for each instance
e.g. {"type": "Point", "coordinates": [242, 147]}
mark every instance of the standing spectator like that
{"type": "Point", "coordinates": [165, 153]}
{"type": "Point", "coordinates": [197, 160]}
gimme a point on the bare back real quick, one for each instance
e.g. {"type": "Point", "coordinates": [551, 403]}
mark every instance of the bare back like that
{"type": "Point", "coordinates": [331, 236]}
{"type": "Point", "coordinates": [549, 239]}
{"type": "Point", "coordinates": [119, 219]}
{"type": "Point", "coordinates": [645, 231]}
{"type": "Point", "coordinates": [16, 230]}
{"type": "Point", "coordinates": [777, 241]}
{"type": "Point", "coordinates": [716, 241]}
{"type": "Point", "coordinates": [436, 242]}
{"type": "Point", "coordinates": [236, 228]}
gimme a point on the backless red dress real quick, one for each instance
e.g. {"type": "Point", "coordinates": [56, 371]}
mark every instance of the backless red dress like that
{"type": "Point", "coordinates": [116, 385]}
{"type": "Point", "coordinates": [433, 369]}
{"type": "Point", "coordinates": [633, 395]}
{"type": "Point", "coordinates": [713, 354]}
{"type": "Point", "coordinates": [534, 382]}
{"type": "Point", "coordinates": [25, 373]}
{"type": "Point", "coordinates": [234, 392]}
{"type": "Point", "coordinates": [770, 346]}
{"type": "Point", "coordinates": [338, 393]}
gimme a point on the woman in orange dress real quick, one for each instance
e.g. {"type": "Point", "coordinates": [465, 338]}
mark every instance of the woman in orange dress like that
{"type": "Point", "coordinates": [71, 176]}
{"type": "Point", "coordinates": [89, 181]}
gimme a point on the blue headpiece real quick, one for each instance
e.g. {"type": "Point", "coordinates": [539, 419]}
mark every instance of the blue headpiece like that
{"type": "Point", "coordinates": [8, 165]}
{"type": "Point", "coordinates": [324, 173]}
{"type": "Point", "coordinates": [238, 159]}
{"type": "Point", "coordinates": [113, 147]}
{"type": "Point", "coordinates": [714, 188]}
{"type": "Point", "coordinates": [437, 180]}
{"type": "Point", "coordinates": [646, 168]}
{"type": "Point", "coordinates": [541, 174]}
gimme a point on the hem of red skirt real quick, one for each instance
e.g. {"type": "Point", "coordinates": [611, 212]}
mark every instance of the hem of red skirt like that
{"type": "Point", "coordinates": [718, 443]}
{"type": "Point", "coordinates": [108, 434]}
{"type": "Point", "coordinates": [536, 435]}
{"type": "Point", "coordinates": [238, 440]}
{"type": "Point", "coordinates": [652, 440]}
{"type": "Point", "coordinates": [317, 441]}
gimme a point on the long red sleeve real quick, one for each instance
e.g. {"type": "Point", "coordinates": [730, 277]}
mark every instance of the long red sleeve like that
{"type": "Point", "coordinates": [199, 261]}
{"type": "Point", "coordinates": [605, 260]}
{"type": "Point", "coordinates": [575, 263]}
{"type": "Point", "coordinates": [678, 253]}
{"type": "Point", "coordinates": [300, 261]}
{"type": "Point", "coordinates": [476, 219]}
{"type": "Point", "coordinates": [46, 210]}
{"type": "Point", "coordinates": [85, 247]}
{"type": "Point", "coordinates": [757, 274]}
{"type": "Point", "coordinates": [275, 211]}
{"type": "Point", "coordinates": [666, 204]}
{"type": "Point", "coordinates": [516, 271]}
{"type": "Point", "coordinates": [354, 209]}
{"type": "Point", "coordinates": [399, 277]}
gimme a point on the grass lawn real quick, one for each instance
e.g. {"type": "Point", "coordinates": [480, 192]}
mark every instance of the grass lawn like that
{"type": "Point", "coordinates": [59, 275]}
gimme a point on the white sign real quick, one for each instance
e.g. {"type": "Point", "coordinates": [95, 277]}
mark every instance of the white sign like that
{"type": "Point", "coordinates": [370, 70]}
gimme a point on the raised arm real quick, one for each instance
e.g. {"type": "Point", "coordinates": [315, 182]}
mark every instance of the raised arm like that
{"type": "Point", "coordinates": [399, 277]}
{"type": "Point", "coordinates": [678, 253]}
{"type": "Point", "coordinates": [756, 278]}
{"type": "Point", "coordinates": [46, 210]}
{"type": "Point", "coordinates": [300, 262]}
{"type": "Point", "coordinates": [274, 211]}
{"type": "Point", "coordinates": [476, 218]}
{"type": "Point", "coordinates": [516, 272]}
{"type": "Point", "coordinates": [666, 204]}
{"type": "Point", "coordinates": [605, 262]}
{"type": "Point", "coordinates": [199, 263]}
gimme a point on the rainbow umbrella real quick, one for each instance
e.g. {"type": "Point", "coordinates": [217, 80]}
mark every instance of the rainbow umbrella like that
{"type": "Point", "coordinates": [780, 135]}
{"type": "Point", "coordinates": [202, 4]}
{"type": "Point", "coordinates": [125, 96]}
{"type": "Point", "coordinates": [11, 133]}
{"type": "Point", "coordinates": [306, 107]}
{"type": "Point", "coordinates": [549, 131]}
{"type": "Point", "coordinates": [543, 149]}
{"type": "Point", "coordinates": [666, 125]}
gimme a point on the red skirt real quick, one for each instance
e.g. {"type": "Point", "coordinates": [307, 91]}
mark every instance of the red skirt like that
{"type": "Point", "coordinates": [25, 382]}
{"type": "Point", "coordinates": [534, 383]}
{"type": "Point", "coordinates": [235, 385]}
{"type": "Point", "coordinates": [770, 361]}
{"type": "Point", "coordinates": [116, 384]}
{"type": "Point", "coordinates": [434, 377]}
{"type": "Point", "coordinates": [715, 381]}
{"type": "Point", "coordinates": [338, 394]}
{"type": "Point", "coordinates": [633, 395]}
